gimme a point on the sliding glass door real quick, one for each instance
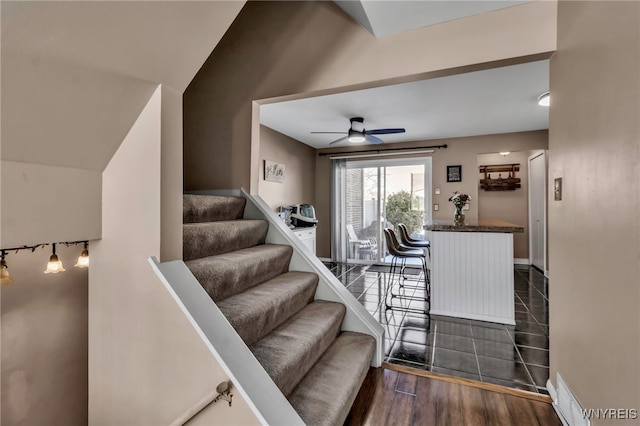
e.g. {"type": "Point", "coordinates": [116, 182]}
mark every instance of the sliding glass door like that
{"type": "Point", "coordinates": [378, 194]}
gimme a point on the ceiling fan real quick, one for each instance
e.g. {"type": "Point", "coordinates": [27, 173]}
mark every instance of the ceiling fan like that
{"type": "Point", "coordinates": [358, 134]}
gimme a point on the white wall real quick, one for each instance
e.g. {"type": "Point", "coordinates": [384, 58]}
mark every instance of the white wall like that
{"type": "Point", "coordinates": [510, 206]}
{"type": "Point", "coordinates": [146, 363]}
{"type": "Point", "coordinates": [46, 203]}
{"type": "Point", "coordinates": [300, 167]}
{"type": "Point", "coordinates": [594, 232]}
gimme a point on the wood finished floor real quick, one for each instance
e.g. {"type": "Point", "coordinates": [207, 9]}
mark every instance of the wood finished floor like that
{"type": "Point", "coordinates": [390, 397]}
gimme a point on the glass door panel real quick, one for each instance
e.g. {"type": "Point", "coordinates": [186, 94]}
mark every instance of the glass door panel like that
{"type": "Point", "coordinates": [380, 194]}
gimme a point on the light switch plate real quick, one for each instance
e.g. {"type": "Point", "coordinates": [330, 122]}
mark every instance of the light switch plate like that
{"type": "Point", "coordinates": [437, 191]}
{"type": "Point", "coordinates": [436, 207]}
{"type": "Point", "coordinates": [557, 189]}
{"type": "Point", "coordinates": [466, 207]}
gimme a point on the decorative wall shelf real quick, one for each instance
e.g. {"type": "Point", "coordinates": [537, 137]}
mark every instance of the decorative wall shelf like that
{"type": "Point", "coordinates": [505, 180]}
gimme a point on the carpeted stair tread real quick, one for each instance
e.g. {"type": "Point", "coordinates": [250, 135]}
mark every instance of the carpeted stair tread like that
{"type": "Point", "coordinates": [325, 395]}
{"type": "Point", "coordinates": [257, 311]}
{"type": "Point", "coordinates": [211, 208]}
{"type": "Point", "coordinates": [212, 238]}
{"type": "Point", "coordinates": [227, 274]}
{"type": "Point", "coordinates": [289, 351]}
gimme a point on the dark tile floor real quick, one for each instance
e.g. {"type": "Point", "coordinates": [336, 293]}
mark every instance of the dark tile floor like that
{"type": "Point", "coordinates": [515, 356]}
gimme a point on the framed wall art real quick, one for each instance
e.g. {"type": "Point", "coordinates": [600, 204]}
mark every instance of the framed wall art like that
{"type": "Point", "coordinates": [273, 172]}
{"type": "Point", "coordinates": [454, 173]}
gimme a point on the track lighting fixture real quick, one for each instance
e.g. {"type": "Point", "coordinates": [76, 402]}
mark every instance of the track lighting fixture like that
{"type": "Point", "coordinates": [5, 277]}
{"type": "Point", "coordinates": [83, 260]}
{"type": "Point", "coordinates": [55, 265]}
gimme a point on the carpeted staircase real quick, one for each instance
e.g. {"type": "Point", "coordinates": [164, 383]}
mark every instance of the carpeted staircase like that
{"type": "Point", "coordinates": [297, 339]}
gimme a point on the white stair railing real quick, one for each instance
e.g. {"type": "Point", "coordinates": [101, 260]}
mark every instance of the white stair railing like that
{"type": "Point", "coordinates": [248, 376]}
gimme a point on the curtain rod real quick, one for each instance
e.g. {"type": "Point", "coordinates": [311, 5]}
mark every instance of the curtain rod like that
{"type": "Point", "coordinates": [382, 151]}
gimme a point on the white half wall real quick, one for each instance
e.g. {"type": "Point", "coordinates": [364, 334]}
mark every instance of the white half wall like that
{"type": "Point", "coordinates": [43, 203]}
{"type": "Point", "coordinates": [147, 365]}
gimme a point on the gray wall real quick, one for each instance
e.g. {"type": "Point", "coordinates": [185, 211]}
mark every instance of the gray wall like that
{"type": "Point", "coordinates": [44, 341]}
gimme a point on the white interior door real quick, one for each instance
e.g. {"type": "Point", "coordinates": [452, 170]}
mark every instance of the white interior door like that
{"type": "Point", "coordinates": [537, 211]}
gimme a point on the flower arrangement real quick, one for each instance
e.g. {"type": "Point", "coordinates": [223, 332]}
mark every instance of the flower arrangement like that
{"type": "Point", "coordinates": [459, 200]}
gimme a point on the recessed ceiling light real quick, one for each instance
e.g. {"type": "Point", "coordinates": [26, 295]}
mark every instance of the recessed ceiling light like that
{"type": "Point", "coordinates": [543, 100]}
{"type": "Point", "coordinates": [503, 153]}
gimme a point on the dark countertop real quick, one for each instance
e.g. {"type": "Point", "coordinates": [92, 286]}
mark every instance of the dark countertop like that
{"type": "Point", "coordinates": [303, 228]}
{"type": "Point", "coordinates": [478, 226]}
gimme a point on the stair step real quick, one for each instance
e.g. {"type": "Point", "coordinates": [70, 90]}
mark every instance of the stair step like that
{"type": "Point", "coordinates": [325, 395]}
{"type": "Point", "coordinates": [230, 273]}
{"type": "Point", "coordinates": [256, 312]}
{"type": "Point", "coordinates": [289, 351]}
{"type": "Point", "coordinates": [212, 238]}
{"type": "Point", "coordinates": [211, 208]}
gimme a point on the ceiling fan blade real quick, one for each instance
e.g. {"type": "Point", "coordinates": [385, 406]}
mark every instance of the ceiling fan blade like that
{"type": "Point", "coordinates": [329, 133]}
{"type": "Point", "coordinates": [384, 131]}
{"type": "Point", "coordinates": [373, 139]}
{"type": "Point", "coordinates": [340, 140]}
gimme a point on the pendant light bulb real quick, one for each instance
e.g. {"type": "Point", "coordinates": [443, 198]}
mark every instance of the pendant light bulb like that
{"type": "Point", "coordinates": [55, 265]}
{"type": "Point", "coordinates": [5, 276]}
{"type": "Point", "coordinates": [83, 260]}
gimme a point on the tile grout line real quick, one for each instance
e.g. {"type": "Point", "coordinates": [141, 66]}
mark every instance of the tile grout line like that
{"type": "Point", "coordinates": [532, 382]}
{"type": "Point", "coordinates": [534, 287]}
{"type": "Point", "coordinates": [398, 318]}
{"type": "Point", "coordinates": [475, 352]}
{"type": "Point", "coordinates": [433, 350]}
{"type": "Point", "coordinates": [528, 311]}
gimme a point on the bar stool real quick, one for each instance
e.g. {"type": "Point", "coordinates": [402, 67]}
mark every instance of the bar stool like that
{"type": "Point", "coordinates": [400, 254]}
{"type": "Point", "coordinates": [413, 243]}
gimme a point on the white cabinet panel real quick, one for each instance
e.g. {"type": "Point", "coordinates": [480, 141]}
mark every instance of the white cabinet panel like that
{"type": "Point", "coordinates": [308, 237]}
{"type": "Point", "coordinates": [472, 275]}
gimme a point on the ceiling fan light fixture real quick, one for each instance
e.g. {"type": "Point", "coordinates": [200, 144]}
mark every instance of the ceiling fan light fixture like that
{"type": "Point", "coordinates": [356, 137]}
{"type": "Point", "coordinates": [544, 99]}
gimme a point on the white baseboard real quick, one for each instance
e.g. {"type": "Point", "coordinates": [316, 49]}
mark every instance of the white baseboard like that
{"type": "Point", "coordinates": [554, 397]}
{"type": "Point", "coordinates": [520, 261]}
{"type": "Point", "coordinates": [569, 410]}
{"type": "Point", "coordinates": [325, 259]}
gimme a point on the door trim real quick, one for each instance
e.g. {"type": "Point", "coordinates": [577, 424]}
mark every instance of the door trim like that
{"type": "Point", "coordinates": [542, 154]}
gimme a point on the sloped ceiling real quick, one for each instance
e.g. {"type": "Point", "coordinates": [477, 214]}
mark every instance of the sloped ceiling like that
{"type": "Point", "coordinates": [75, 75]}
{"type": "Point", "coordinates": [384, 18]}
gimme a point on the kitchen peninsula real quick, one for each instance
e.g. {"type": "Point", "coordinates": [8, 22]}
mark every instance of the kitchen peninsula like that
{"type": "Point", "coordinates": [472, 269]}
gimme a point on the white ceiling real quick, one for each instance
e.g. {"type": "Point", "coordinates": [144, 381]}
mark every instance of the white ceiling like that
{"type": "Point", "coordinates": [75, 75]}
{"type": "Point", "coordinates": [493, 101]}
{"type": "Point", "coordinates": [499, 100]}
{"type": "Point", "coordinates": [383, 18]}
